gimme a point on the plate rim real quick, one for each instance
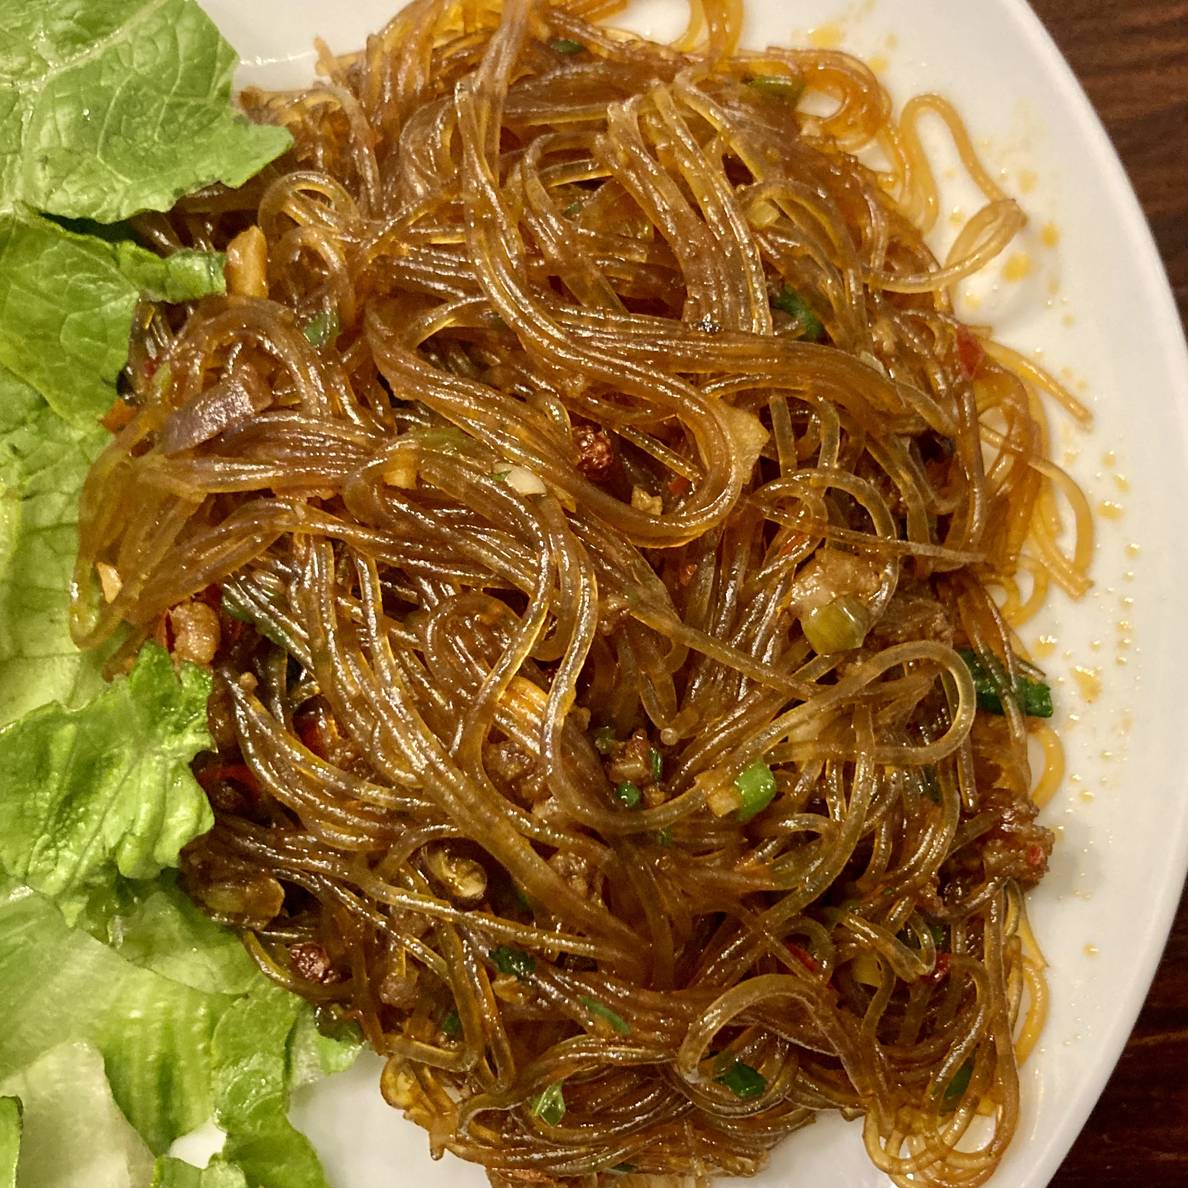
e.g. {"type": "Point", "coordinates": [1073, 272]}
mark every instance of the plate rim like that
{"type": "Point", "coordinates": [1170, 337]}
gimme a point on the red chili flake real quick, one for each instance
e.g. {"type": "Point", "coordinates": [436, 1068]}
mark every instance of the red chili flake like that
{"type": "Point", "coordinates": [149, 367]}
{"type": "Point", "coordinates": [804, 957]}
{"type": "Point", "coordinates": [237, 773]}
{"type": "Point", "coordinates": [310, 732]}
{"type": "Point", "coordinates": [1035, 855]}
{"type": "Point", "coordinates": [970, 352]}
{"type": "Point", "coordinates": [686, 573]}
{"type": "Point", "coordinates": [678, 485]}
{"type": "Point", "coordinates": [941, 969]}
{"type": "Point", "coordinates": [119, 415]}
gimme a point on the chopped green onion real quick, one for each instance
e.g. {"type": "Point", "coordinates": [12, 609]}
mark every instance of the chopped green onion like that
{"type": "Point", "coordinates": [657, 763]}
{"type": "Point", "coordinates": [604, 740]}
{"type": "Point", "coordinates": [323, 328]}
{"type": "Point", "coordinates": [604, 1012]}
{"type": "Point", "coordinates": [956, 1088]}
{"type": "Point", "coordinates": [778, 86]}
{"type": "Point", "coordinates": [564, 45]}
{"type": "Point", "coordinates": [664, 836]}
{"type": "Point", "coordinates": [512, 961]}
{"type": "Point", "coordinates": [795, 306]}
{"type": "Point", "coordinates": [838, 626]}
{"type": "Point", "coordinates": [500, 476]}
{"type": "Point", "coordinates": [628, 795]}
{"type": "Point", "coordinates": [757, 787]}
{"type": "Point", "coordinates": [572, 210]}
{"type": "Point", "coordinates": [940, 934]}
{"type": "Point", "coordinates": [549, 1104]}
{"type": "Point", "coordinates": [1035, 698]}
{"type": "Point", "coordinates": [743, 1081]}
{"type": "Point", "coordinates": [990, 682]}
{"type": "Point", "coordinates": [622, 1169]}
{"type": "Point", "coordinates": [451, 1026]}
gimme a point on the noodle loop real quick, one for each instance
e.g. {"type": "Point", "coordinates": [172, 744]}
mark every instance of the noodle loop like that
{"type": "Point", "coordinates": [596, 507]}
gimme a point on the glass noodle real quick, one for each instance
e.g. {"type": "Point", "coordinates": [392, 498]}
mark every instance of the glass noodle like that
{"type": "Point", "coordinates": [581, 496]}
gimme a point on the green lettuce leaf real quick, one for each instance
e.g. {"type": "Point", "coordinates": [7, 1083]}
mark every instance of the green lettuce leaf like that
{"type": "Point", "coordinates": [59, 984]}
{"type": "Point", "coordinates": [10, 1140]}
{"type": "Point", "coordinates": [315, 1053]}
{"type": "Point", "coordinates": [67, 303]}
{"type": "Point", "coordinates": [158, 927]}
{"type": "Point", "coordinates": [109, 107]}
{"type": "Point", "coordinates": [105, 788]}
{"type": "Point", "coordinates": [173, 1173]}
{"type": "Point", "coordinates": [74, 1133]}
{"type": "Point", "coordinates": [197, 1035]}
{"type": "Point", "coordinates": [128, 1018]}
{"type": "Point", "coordinates": [43, 461]}
{"type": "Point", "coordinates": [251, 1087]}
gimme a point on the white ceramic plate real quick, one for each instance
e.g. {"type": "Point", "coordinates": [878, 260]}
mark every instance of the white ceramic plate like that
{"type": "Point", "coordinates": [1095, 308]}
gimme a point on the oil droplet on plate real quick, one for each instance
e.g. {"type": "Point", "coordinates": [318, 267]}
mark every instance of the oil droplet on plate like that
{"type": "Point", "coordinates": [828, 36]}
{"type": "Point", "coordinates": [1018, 267]}
{"type": "Point", "coordinates": [1050, 235]}
{"type": "Point", "coordinates": [1045, 646]}
{"type": "Point", "coordinates": [1088, 682]}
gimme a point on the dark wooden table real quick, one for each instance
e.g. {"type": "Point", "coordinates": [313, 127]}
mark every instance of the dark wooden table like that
{"type": "Point", "coordinates": [1132, 58]}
